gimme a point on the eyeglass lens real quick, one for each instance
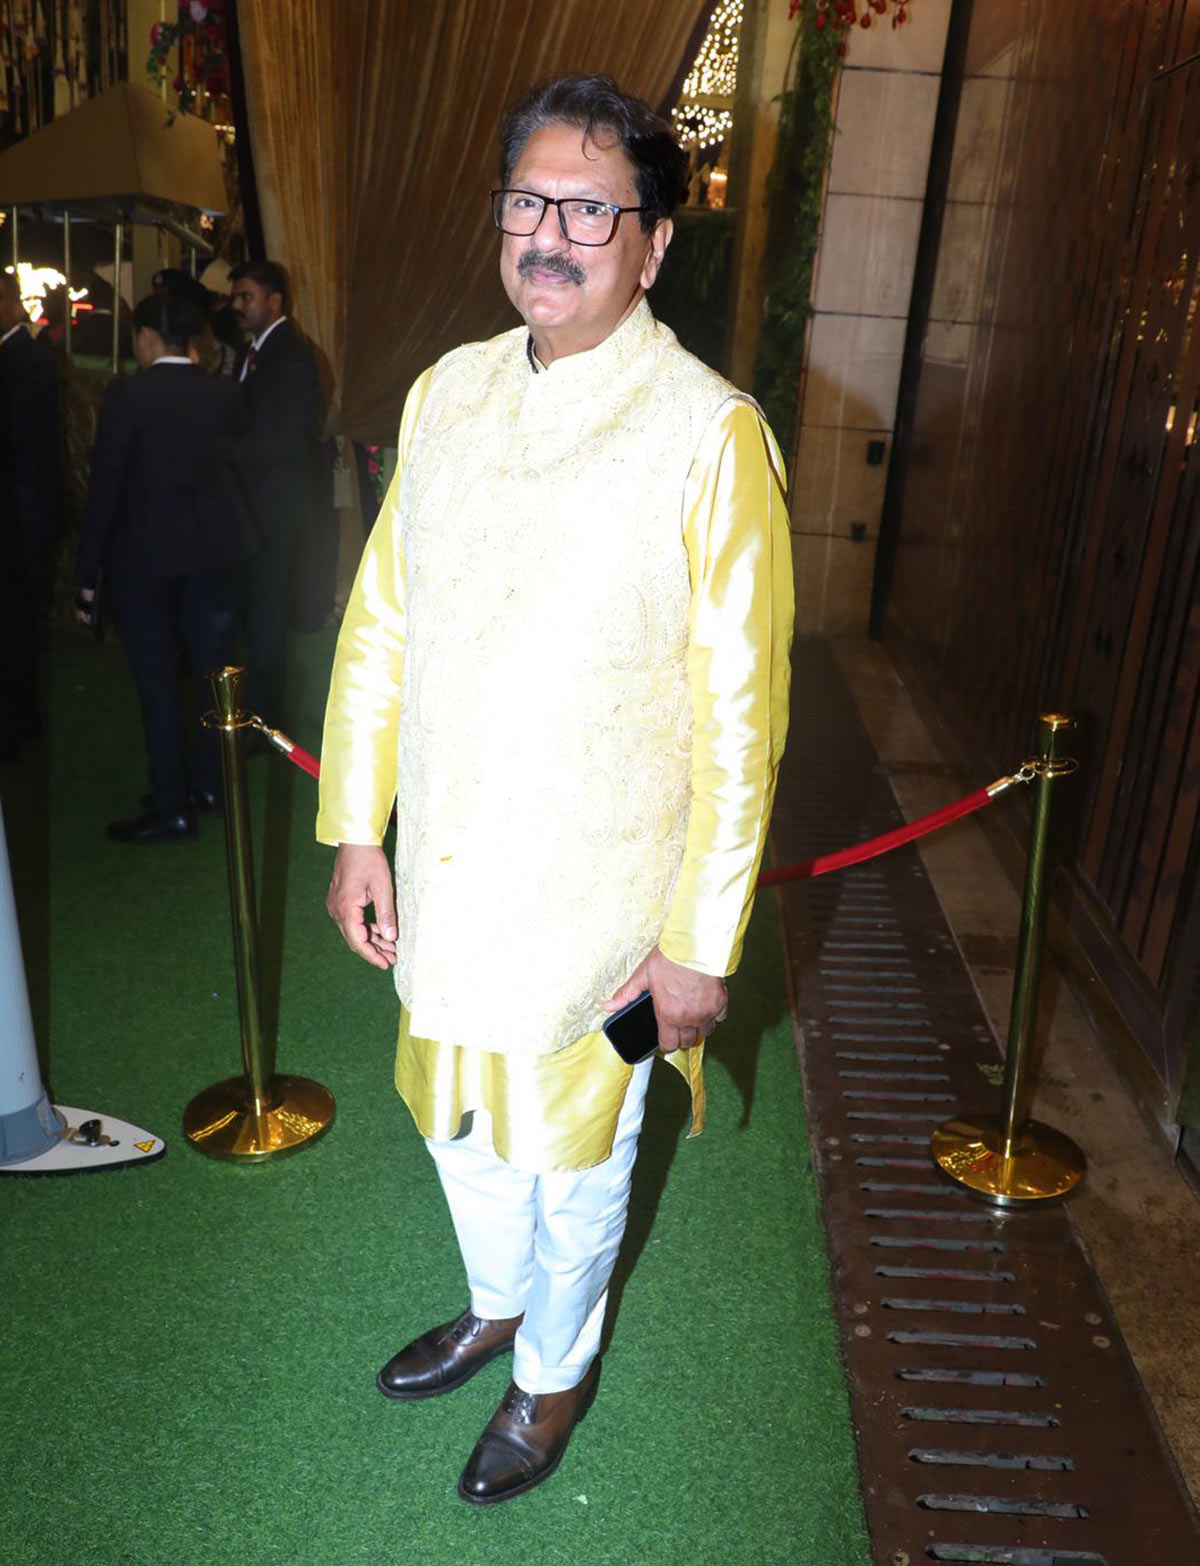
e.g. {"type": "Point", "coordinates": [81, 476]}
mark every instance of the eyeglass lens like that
{"type": "Point", "coordinates": [519, 212]}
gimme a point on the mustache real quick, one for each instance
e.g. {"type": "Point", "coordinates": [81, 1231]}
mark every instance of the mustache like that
{"type": "Point", "coordinates": [551, 261]}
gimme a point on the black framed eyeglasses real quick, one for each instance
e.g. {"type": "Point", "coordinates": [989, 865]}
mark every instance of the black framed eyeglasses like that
{"type": "Point", "coordinates": [582, 221]}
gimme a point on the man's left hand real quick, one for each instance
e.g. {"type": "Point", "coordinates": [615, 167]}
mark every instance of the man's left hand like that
{"type": "Point", "coordinates": [687, 1004]}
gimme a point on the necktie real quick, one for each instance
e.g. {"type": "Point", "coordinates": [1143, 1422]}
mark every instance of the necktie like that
{"type": "Point", "coordinates": [251, 356]}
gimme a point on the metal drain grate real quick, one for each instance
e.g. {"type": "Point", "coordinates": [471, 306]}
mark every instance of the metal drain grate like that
{"type": "Point", "coordinates": [999, 1418]}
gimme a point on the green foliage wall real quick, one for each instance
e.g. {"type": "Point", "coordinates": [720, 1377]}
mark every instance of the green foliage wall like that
{"type": "Point", "coordinates": [796, 195]}
{"type": "Point", "coordinates": [691, 294]}
{"type": "Point", "coordinates": [692, 289]}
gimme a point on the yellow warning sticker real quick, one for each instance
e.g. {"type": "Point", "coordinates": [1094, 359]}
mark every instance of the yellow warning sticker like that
{"type": "Point", "coordinates": [145, 1147]}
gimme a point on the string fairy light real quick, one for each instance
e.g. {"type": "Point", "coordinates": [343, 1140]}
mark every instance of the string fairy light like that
{"type": "Point", "coordinates": [704, 114]}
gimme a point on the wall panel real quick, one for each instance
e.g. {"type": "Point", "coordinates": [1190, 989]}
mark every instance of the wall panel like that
{"type": "Point", "coordinates": [1046, 546]}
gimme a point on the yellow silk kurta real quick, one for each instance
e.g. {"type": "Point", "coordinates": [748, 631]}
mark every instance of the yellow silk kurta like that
{"type": "Point", "coordinates": [567, 649]}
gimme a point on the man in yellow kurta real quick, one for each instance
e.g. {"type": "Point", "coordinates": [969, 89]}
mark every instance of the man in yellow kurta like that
{"type": "Point", "coordinates": [566, 660]}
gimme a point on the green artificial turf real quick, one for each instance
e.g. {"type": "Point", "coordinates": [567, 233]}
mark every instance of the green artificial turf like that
{"type": "Point", "coordinates": [189, 1348]}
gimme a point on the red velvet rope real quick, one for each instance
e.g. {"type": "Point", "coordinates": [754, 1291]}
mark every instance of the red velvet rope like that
{"type": "Point", "coordinates": [305, 760]}
{"type": "Point", "coordinates": [877, 845]}
{"type": "Point", "coordinates": [822, 865]}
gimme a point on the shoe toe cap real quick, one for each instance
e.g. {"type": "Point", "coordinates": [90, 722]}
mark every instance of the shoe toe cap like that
{"type": "Point", "coordinates": [493, 1470]}
{"type": "Point", "coordinates": [402, 1375]}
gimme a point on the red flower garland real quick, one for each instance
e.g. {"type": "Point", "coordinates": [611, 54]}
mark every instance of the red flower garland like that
{"type": "Point", "coordinates": [841, 15]}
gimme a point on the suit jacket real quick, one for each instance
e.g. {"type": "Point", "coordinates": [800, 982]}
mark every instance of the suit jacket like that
{"type": "Point", "coordinates": [163, 498]}
{"type": "Point", "coordinates": [18, 604]}
{"type": "Point", "coordinates": [278, 456]}
{"type": "Point", "coordinates": [30, 374]}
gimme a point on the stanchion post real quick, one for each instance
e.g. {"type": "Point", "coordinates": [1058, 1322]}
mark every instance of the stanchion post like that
{"type": "Point", "coordinates": [259, 1115]}
{"type": "Point", "coordinates": [1012, 1160]}
{"type": "Point", "coordinates": [1027, 978]}
{"type": "Point", "coordinates": [258, 1054]}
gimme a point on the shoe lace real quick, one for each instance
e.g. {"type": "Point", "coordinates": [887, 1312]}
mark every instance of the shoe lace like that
{"type": "Point", "coordinates": [519, 1404]}
{"type": "Point", "coordinates": [462, 1328]}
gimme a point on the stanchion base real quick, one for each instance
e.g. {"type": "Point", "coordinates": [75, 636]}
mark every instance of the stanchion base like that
{"type": "Point", "coordinates": [221, 1123]}
{"type": "Point", "coordinates": [1044, 1166]}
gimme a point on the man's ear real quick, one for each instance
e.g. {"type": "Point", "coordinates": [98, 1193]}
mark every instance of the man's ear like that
{"type": "Point", "coordinates": [659, 241]}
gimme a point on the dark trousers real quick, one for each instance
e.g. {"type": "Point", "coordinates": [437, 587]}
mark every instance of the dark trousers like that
{"type": "Point", "coordinates": [266, 584]}
{"type": "Point", "coordinates": [20, 613]}
{"type": "Point", "coordinates": [158, 621]}
{"type": "Point", "coordinates": [265, 597]}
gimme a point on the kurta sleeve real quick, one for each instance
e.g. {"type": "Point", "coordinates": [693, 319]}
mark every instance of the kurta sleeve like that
{"type": "Point", "coordinates": [738, 541]}
{"type": "Point", "coordinates": [358, 751]}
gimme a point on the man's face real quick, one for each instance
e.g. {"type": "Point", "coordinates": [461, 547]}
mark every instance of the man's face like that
{"type": "Point", "coordinates": [254, 307]}
{"type": "Point", "coordinates": [147, 346]}
{"type": "Point", "coordinates": [573, 296]}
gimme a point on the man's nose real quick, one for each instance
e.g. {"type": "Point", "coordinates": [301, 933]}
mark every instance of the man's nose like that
{"type": "Point", "coordinates": [548, 235]}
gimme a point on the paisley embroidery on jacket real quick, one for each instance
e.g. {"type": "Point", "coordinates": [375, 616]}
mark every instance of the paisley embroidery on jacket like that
{"type": "Point", "coordinates": [545, 743]}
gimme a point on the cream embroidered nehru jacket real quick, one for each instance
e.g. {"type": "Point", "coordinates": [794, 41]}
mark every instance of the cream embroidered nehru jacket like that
{"type": "Point", "coordinates": [566, 658]}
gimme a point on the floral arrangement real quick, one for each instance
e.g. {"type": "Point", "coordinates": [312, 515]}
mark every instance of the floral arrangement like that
{"type": "Point", "coordinates": [841, 15]}
{"type": "Point", "coordinates": [202, 56]}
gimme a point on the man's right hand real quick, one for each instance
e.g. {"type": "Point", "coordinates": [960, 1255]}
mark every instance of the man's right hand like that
{"type": "Point", "coordinates": [362, 877]}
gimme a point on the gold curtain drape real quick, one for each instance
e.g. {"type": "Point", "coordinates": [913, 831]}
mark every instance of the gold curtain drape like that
{"type": "Point", "coordinates": [374, 124]}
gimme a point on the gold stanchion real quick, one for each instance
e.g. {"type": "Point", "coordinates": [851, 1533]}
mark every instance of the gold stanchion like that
{"type": "Point", "coordinates": [260, 1115]}
{"type": "Point", "coordinates": [1009, 1159]}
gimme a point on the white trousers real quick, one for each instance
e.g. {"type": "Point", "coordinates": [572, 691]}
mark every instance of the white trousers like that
{"type": "Point", "coordinates": [542, 1244]}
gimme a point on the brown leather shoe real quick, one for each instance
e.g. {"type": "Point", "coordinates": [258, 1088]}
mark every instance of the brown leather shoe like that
{"type": "Point", "coordinates": [524, 1441]}
{"type": "Point", "coordinates": [446, 1357]}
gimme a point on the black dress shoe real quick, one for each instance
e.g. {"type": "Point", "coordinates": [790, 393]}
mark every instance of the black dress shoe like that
{"type": "Point", "coordinates": [150, 827]}
{"type": "Point", "coordinates": [445, 1357]}
{"type": "Point", "coordinates": [524, 1441]}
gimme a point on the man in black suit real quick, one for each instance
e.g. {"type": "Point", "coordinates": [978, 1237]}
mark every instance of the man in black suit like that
{"type": "Point", "coordinates": [18, 631]}
{"type": "Point", "coordinates": [30, 511]}
{"type": "Point", "coordinates": [279, 460]}
{"type": "Point", "coordinates": [167, 525]}
{"type": "Point", "coordinates": [31, 381]}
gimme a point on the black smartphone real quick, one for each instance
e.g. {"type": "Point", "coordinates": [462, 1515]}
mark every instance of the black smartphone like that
{"type": "Point", "coordinates": [633, 1031]}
